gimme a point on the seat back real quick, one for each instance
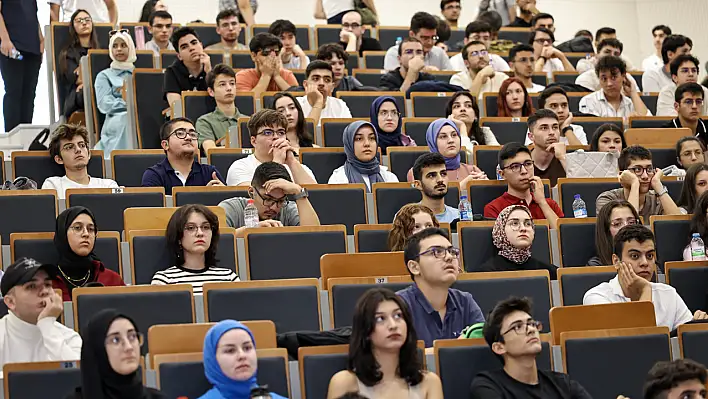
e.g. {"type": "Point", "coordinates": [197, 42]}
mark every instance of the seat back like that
{"type": "Point", "coordinates": [302, 35]}
{"type": "Point", "coordinates": [672, 236]}
{"type": "Point", "coordinates": [486, 157]}
{"type": "Point", "coordinates": [648, 122]}
{"type": "Point", "coordinates": [650, 100]}
{"type": "Point", "coordinates": [168, 57]}
{"type": "Point", "coordinates": [157, 218]}
{"type": "Point", "coordinates": [317, 365]}
{"type": "Point", "coordinates": [665, 136]}
{"type": "Point", "coordinates": [507, 130]}
{"type": "Point", "coordinates": [223, 158]}
{"type": "Point", "coordinates": [577, 238]}
{"type": "Point", "coordinates": [210, 196]}
{"type": "Point", "coordinates": [207, 34]}
{"type": "Point", "coordinates": [371, 77]}
{"type": "Point", "coordinates": [128, 166]}
{"type": "Point", "coordinates": [41, 379]}
{"type": "Point", "coordinates": [148, 106]}
{"type": "Point", "coordinates": [401, 160]}
{"type": "Point", "coordinates": [330, 201]}
{"type": "Point", "coordinates": [371, 237]}
{"type": "Point", "coordinates": [692, 342]}
{"type": "Point", "coordinates": [330, 34]}
{"type": "Point", "coordinates": [108, 204]}
{"type": "Point", "coordinates": [588, 189]}
{"type": "Point", "coordinates": [344, 293]}
{"type": "Point", "coordinates": [516, 35]}
{"type": "Point", "coordinates": [323, 161]}
{"type": "Point", "coordinates": [416, 128]}
{"type": "Point", "coordinates": [430, 105]}
{"type": "Point", "coordinates": [359, 102]}
{"type": "Point", "coordinates": [687, 277]}
{"type": "Point", "coordinates": [242, 59]}
{"type": "Point", "coordinates": [38, 165]}
{"type": "Point", "coordinates": [374, 59]}
{"type": "Point", "coordinates": [333, 129]}
{"type": "Point", "coordinates": [371, 264]}
{"type": "Point", "coordinates": [390, 197]}
{"type": "Point", "coordinates": [27, 211]}
{"type": "Point", "coordinates": [591, 123]}
{"type": "Point", "coordinates": [389, 35]}
{"type": "Point", "coordinates": [662, 155]}
{"type": "Point", "coordinates": [576, 281]}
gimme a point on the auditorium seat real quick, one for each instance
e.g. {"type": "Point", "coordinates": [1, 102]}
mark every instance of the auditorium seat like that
{"type": "Point", "coordinates": [210, 196]}
{"type": "Point", "coordinates": [370, 77]}
{"type": "Point", "coordinates": [401, 159]}
{"type": "Point", "coordinates": [222, 158]}
{"type": "Point", "coordinates": [267, 98]}
{"type": "Point", "coordinates": [598, 317]}
{"type": "Point", "coordinates": [207, 34]}
{"type": "Point", "coordinates": [666, 136]}
{"type": "Point", "coordinates": [577, 241]}
{"type": "Point", "coordinates": [302, 34]}
{"type": "Point", "coordinates": [416, 129]}
{"type": "Point", "coordinates": [390, 197]}
{"type": "Point", "coordinates": [588, 189]}
{"type": "Point", "coordinates": [345, 292]}
{"type": "Point", "coordinates": [648, 122]}
{"type": "Point", "coordinates": [431, 105]}
{"type": "Point", "coordinates": [672, 236]}
{"type": "Point", "coordinates": [108, 204]}
{"type": "Point", "coordinates": [591, 123]}
{"type": "Point", "coordinates": [169, 57]}
{"type": "Point", "coordinates": [151, 218]}
{"type": "Point", "coordinates": [148, 106]}
{"type": "Point", "coordinates": [688, 277]}
{"type": "Point", "coordinates": [693, 342]}
{"type": "Point", "coordinates": [374, 59]}
{"type": "Point", "coordinates": [323, 161]}
{"type": "Point", "coordinates": [41, 379]}
{"type": "Point", "coordinates": [317, 365]}
{"type": "Point", "coordinates": [389, 35]}
{"type": "Point", "coordinates": [330, 34]}
{"type": "Point", "coordinates": [359, 102]}
{"type": "Point", "coordinates": [662, 155]}
{"type": "Point", "coordinates": [371, 237]}
{"type": "Point", "coordinates": [372, 264]}
{"type": "Point", "coordinates": [650, 100]}
{"type": "Point", "coordinates": [198, 103]}
{"type": "Point", "coordinates": [128, 166]}
{"type": "Point", "coordinates": [333, 129]}
{"type": "Point", "coordinates": [241, 59]}
{"type": "Point", "coordinates": [486, 157]}
{"type": "Point", "coordinates": [516, 35]}
{"type": "Point", "coordinates": [349, 202]}
{"type": "Point", "coordinates": [38, 165]}
{"type": "Point", "coordinates": [482, 192]}
{"type": "Point", "coordinates": [574, 282]}
{"type": "Point", "coordinates": [27, 211]}
{"type": "Point", "coordinates": [507, 129]}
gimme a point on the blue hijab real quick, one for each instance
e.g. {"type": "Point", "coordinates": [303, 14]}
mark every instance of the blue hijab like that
{"type": "Point", "coordinates": [224, 387]}
{"type": "Point", "coordinates": [431, 137]}
{"type": "Point", "coordinates": [386, 139]}
{"type": "Point", "coordinates": [353, 167]}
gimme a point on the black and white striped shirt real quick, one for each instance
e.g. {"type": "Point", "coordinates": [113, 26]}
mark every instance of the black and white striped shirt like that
{"type": "Point", "coordinates": [180, 275]}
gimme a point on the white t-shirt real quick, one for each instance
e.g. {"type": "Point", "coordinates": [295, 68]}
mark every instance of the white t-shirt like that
{"type": "Point", "coordinates": [553, 65]}
{"type": "Point", "coordinates": [334, 108]}
{"type": "Point", "coordinates": [492, 85]}
{"type": "Point", "coordinates": [535, 88]}
{"type": "Point", "coordinates": [653, 80]}
{"type": "Point", "coordinates": [652, 62]}
{"type": "Point", "coordinates": [295, 63]}
{"type": "Point", "coordinates": [489, 139]}
{"type": "Point", "coordinates": [497, 62]}
{"type": "Point", "coordinates": [61, 184]}
{"type": "Point", "coordinates": [96, 8]}
{"type": "Point", "coordinates": [339, 176]}
{"type": "Point", "coordinates": [589, 80]}
{"type": "Point", "coordinates": [334, 7]}
{"type": "Point", "coordinates": [241, 171]}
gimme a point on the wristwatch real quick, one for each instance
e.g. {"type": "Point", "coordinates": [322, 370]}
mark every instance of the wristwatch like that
{"type": "Point", "coordinates": [566, 129]}
{"type": "Point", "coordinates": [302, 194]}
{"type": "Point", "coordinates": [663, 191]}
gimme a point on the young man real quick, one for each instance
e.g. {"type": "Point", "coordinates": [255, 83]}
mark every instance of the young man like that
{"type": "Point", "coordinates": [411, 58]}
{"type": "Point", "coordinates": [99, 10]}
{"type": "Point", "coordinates": [269, 74]}
{"type": "Point", "coordinates": [653, 80]}
{"type": "Point", "coordinates": [517, 168]}
{"type": "Point", "coordinates": [351, 37]}
{"type": "Point", "coordinates": [318, 102]}
{"type": "Point", "coordinates": [548, 153]}
{"type": "Point", "coordinates": [179, 168]}
{"type": "Point", "coordinates": [69, 147]}
{"type": "Point", "coordinates": [505, 10]}
{"type": "Point", "coordinates": [638, 176]}
{"type": "Point", "coordinates": [479, 76]}
{"type": "Point", "coordinates": [548, 58]}
{"type": "Point", "coordinates": [606, 33]}
{"type": "Point", "coordinates": [514, 336]}
{"type": "Point", "coordinates": [279, 201]}
{"type": "Point", "coordinates": [479, 31]}
{"type": "Point", "coordinates": [543, 20]}
{"type": "Point", "coordinates": [336, 57]}
{"type": "Point", "coordinates": [430, 178]}
{"type": "Point", "coordinates": [527, 9]}
{"type": "Point", "coordinates": [160, 27]}
{"type": "Point", "coordinates": [617, 97]}
{"type": "Point", "coordinates": [556, 99]}
{"type": "Point", "coordinates": [292, 56]}
{"type": "Point", "coordinates": [522, 61]}
{"type": "Point", "coordinates": [267, 128]}
{"type": "Point", "coordinates": [30, 331]}
{"type": "Point", "coordinates": [424, 28]}
{"type": "Point", "coordinates": [689, 100]}
{"type": "Point", "coordinates": [589, 79]}
{"type": "Point", "coordinates": [214, 126]}
{"type": "Point", "coordinates": [634, 258]}
{"type": "Point", "coordinates": [189, 70]}
{"type": "Point", "coordinates": [229, 28]}
{"type": "Point", "coordinates": [654, 61]}
{"type": "Point", "coordinates": [684, 69]}
{"type": "Point", "coordinates": [450, 10]}
{"type": "Point", "coordinates": [677, 379]}
{"type": "Point", "coordinates": [438, 311]}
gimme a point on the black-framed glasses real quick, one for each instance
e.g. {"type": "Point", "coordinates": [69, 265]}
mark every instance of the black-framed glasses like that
{"type": "Point", "coordinates": [271, 133]}
{"type": "Point", "coordinates": [543, 41]}
{"type": "Point", "coordinates": [351, 26]}
{"type": "Point", "coordinates": [638, 170]}
{"type": "Point", "coordinates": [70, 147]}
{"type": "Point", "coordinates": [266, 51]}
{"type": "Point", "coordinates": [516, 167]}
{"type": "Point", "coordinates": [182, 133]}
{"type": "Point", "coordinates": [439, 252]}
{"type": "Point", "coordinates": [522, 327]}
{"type": "Point", "coordinates": [113, 32]}
{"type": "Point", "coordinates": [272, 201]}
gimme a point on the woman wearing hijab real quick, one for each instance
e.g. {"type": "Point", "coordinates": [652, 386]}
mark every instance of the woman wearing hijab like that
{"type": "Point", "coordinates": [230, 361]}
{"type": "Point", "coordinates": [513, 235]}
{"type": "Point", "coordinates": [388, 122]}
{"type": "Point", "coordinates": [362, 165]}
{"type": "Point", "coordinates": [109, 96]}
{"type": "Point", "coordinates": [110, 359]}
{"type": "Point", "coordinates": [74, 239]}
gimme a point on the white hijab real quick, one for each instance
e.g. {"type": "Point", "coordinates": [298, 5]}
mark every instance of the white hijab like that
{"type": "Point", "coordinates": [127, 64]}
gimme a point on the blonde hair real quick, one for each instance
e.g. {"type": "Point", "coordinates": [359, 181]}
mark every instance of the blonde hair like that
{"type": "Point", "coordinates": [404, 223]}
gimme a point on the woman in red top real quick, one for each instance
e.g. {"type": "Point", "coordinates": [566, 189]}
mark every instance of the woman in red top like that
{"type": "Point", "coordinates": [74, 238]}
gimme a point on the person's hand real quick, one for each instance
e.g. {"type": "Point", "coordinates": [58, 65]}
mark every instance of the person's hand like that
{"type": "Point", "coordinates": [623, 397]}
{"type": "Point", "coordinates": [314, 97]}
{"type": "Point", "coordinates": [628, 179]}
{"type": "Point", "coordinates": [488, 71]}
{"type": "Point", "coordinates": [279, 148]}
{"type": "Point", "coordinates": [53, 306]}
{"type": "Point", "coordinates": [558, 150]}
{"type": "Point", "coordinates": [632, 285]}
{"type": "Point", "coordinates": [430, 68]}
{"type": "Point", "coordinates": [627, 88]}
{"type": "Point", "coordinates": [478, 174]}
{"type": "Point", "coordinates": [537, 190]}
{"type": "Point", "coordinates": [79, 87]}
{"type": "Point", "coordinates": [214, 181]}
{"type": "Point", "coordinates": [547, 52]}
{"type": "Point", "coordinates": [345, 36]}
{"type": "Point", "coordinates": [288, 187]}
{"type": "Point", "coordinates": [656, 183]}
{"type": "Point", "coordinates": [266, 67]}
{"type": "Point", "coordinates": [297, 50]}
{"type": "Point", "coordinates": [416, 65]}
{"type": "Point", "coordinates": [567, 122]}
{"type": "Point", "coordinates": [457, 122]}
{"type": "Point", "coordinates": [205, 61]}
{"type": "Point", "coordinates": [700, 315]}
{"type": "Point", "coordinates": [277, 66]}
{"type": "Point", "coordinates": [270, 223]}
{"type": "Point", "coordinates": [6, 47]}
{"type": "Point", "coordinates": [555, 53]}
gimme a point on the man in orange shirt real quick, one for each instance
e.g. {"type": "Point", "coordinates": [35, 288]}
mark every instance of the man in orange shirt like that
{"type": "Point", "coordinates": [269, 74]}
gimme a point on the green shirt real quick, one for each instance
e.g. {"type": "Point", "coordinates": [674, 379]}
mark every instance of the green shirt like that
{"type": "Point", "coordinates": [215, 125]}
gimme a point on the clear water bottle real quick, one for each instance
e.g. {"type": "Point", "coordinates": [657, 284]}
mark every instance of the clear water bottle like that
{"type": "Point", "coordinates": [499, 174]}
{"type": "Point", "coordinates": [580, 210]}
{"type": "Point", "coordinates": [15, 54]}
{"type": "Point", "coordinates": [465, 208]}
{"type": "Point", "coordinates": [698, 249]}
{"type": "Point", "coordinates": [399, 40]}
{"type": "Point", "coordinates": [250, 215]}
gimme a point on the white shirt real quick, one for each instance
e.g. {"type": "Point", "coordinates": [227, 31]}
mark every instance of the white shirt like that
{"type": "Point", "coordinates": [96, 9]}
{"type": "Point", "coordinates": [596, 104]}
{"type": "Point", "coordinates": [437, 57]}
{"type": "Point", "coordinates": [334, 108]}
{"type": "Point", "coordinates": [654, 80]}
{"type": "Point", "coordinates": [497, 62]}
{"type": "Point", "coordinates": [652, 62]}
{"type": "Point", "coordinates": [241, 171]}
{"type": "Point", "coordinates": [334, 7]}
{"type": "Point", "coordinates": [589, 80]}
{"type": "Point", "coordinates": [464, 80]}
{"type": "Point", "coordinates": [295, 63]}
{"type": "Point", "coordinates": [553, 65]}
{"type": "Point", "coordinates": [535, 88]}
{"type": "Point", "coordinates": [587, 64]}
{"type": "Point", "coordinates": [670, 309]}
{"type": "Point", "coordinates": [667, 97]}
{"type": "Point", "coordinates": [577, 130]}
{"type": "Point", "coordinates": [47, 341]}
{"type": "Point", "coordinates": [152, 45]}
{"type": "Point", "coordinates": [339, 176]}
{"type": "Point", "coordinates": [61, 184]}
{"type": "Point", "coordinates": [489, 139]}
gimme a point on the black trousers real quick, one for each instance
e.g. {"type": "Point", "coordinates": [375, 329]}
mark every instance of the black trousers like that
{"type": "Point", "coordinates": [20, 78]}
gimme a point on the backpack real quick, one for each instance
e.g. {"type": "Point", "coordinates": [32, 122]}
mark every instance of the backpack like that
{"type": "Point", "coordinates": [38, 144]}
{"type": "Point", "coordinates": [580, 44]}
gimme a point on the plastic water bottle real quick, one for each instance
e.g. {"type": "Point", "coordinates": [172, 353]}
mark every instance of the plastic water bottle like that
{"type": "Point", "coordinates": [698, 249]}
{"type": "Point", "coordinates": [15, 54]}
{"type": "Point", "coordinates": [465, 208]}
{"type": "Point", "coordinates": [250, 215]}
{"type": "Point", "coordinates": [579, 208]}
{"type": "Point", "coordinates": [399, 40]}
{"type": "Point", "coordinates": [499, 174]}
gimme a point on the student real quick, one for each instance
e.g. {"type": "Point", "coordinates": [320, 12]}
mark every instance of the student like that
{"type": "Point", "coordinates": [690, 151]}
{"type": "Point", "coordinates": [336, 57]}
{"type": "Point", "coordinates": [110, 359]}
{"type": "Point", "coordinates": [505, 10]}
{"type": "Point", "coordinates": [610, 219]}
{"type": "Point", "coordinates": [388, 122]}
{"type": "Point", "coordinates": [409, 220]}
{"type": "Point", "coordinates": [245, 10]}
{"type": "Point", "coordinates": [608, 137]}
{"type": "Point", "coordinates": [383, 358]}
{"type": "Point", "coordinates": [689, 101]}
{"type": "Point", "coordinates": [318, 103]}
{"type": "Point", "coordinates": [634, 257]}
{"type": "Point", "coordinates": [279, 201]}
{"type": "Point", "coordinates": [192, 237]}
{"type": "Point", "coordinates": [680, 378]}
{"type": "Point", "coordinates": [684, 69]}
{"type": "Point", "coordinates": [556, 99]}
{"type": "Point", "coordinates": [269, 74]}
{"type": "Point", "coordinates": [179, 168]}
{"type": "Point", "coordinates": [522, 61]}
{"type": "Point", "coordinates": [479, 76]}
{"type": "Point", "coordinates": [30, 331]}
{"type": "Point", "coordinates": [463, 110]}
{"type": "Point", "coordinates": [543, 20]}
{"type": "Point", "coordinates": [362, 164]}
{"type": "Point", "coordinates": [160, 27]}
{"type": "Point", "coordinates": [100, 10]}
{"type": "Point", "coordinates": [479, 31]}
{"type": "Point", "coordinates": [548, 153]}
{"type": "Point", "coordinates": [514, 336]}
{"type": "Point", "coordinates": [109, 95]}
{"type": "Point", "coordinates": [653, 80]}
{"type": "Point", "coordinates": [513, 235]}
{"type": "Point", "coordinates": [351, 37]}
{"type": "Point", "coordinates": [513, 101]}
{"type": "Point", "coordinates": [150, 7]}
{"type": "Point", "coordinates": [231, 361]}
{"type": "Point", "coordinates": [69, 147]}
{"type": "Point", "coordinates": [694, 185]}
{"type": "Point", "coordinates": [450, 11]}
{"type": "Point", "coordinates": [699, 217]}
{"type": "Point", "coordinates": [654, 61]}
{"type": "Point", "coordinates": [527, 9]}
{"type": "Point", "coordinates": [617, 97]}
{"type": "Point", "coordinates": [188, 72]}
{"type": "Point", "coordinates": [602, 34]}
{"type": "Point", "coordinates": [229, 29]}
{"type": "Point", "coordinates": [588, 77]}
{"type": "Point", "coordinates": [77, 265]}
{"type": "Point", "coordinates": [430, 174]}
{"type": "Point", "coordinates": [517, 168]}
{"type": "Point", "coordinates": [424, 28]}
{"type": "Point", "coordinates": [409, 69]}
{"type": "Point", "coordinates": [548, 58]}
{"type": "Point", "coordinates": [292, 56]}
{"type": "Point", "coordinates": [637, 177]}
{"type": "Point", "coordinates": [213, 127]}
{"type": "Point", "coordinates": [297, 134]}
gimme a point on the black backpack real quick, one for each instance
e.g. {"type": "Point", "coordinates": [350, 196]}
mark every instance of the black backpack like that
{"type": "Point", "coordinates": [38, 143]}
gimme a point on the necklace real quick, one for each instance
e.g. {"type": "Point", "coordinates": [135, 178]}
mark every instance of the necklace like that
{"type": "Point", "coordinates": [73, 281]}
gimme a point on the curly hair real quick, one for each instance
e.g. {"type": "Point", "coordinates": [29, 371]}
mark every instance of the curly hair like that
{"type": "Point", "coordinates": [404, 223]}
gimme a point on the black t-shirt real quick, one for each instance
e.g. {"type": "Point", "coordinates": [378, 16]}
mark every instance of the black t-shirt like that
{"type": "Point", "coordinates": [551, 385]}
{"type": "Point", "coordinates": [178, 79]}
{"type": "Point", "coordinates": [498, 263]}
{"type": "Point", "coordinates": [393, 80]}
{"type": "Point", "coordinates": [519, 23]}
{"type": "Point", "coordinates": [553, 172]}
{"type": "Point", "coordinates": [367, 44]}
{"type": "Point", "coordinates": [22, 24]}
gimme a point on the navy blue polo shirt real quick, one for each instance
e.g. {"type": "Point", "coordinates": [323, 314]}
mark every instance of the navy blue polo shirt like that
{"type": "Point", "coordinates": [162, 174]}
{"type": "Point", "coordinates": [462, 311]}
{"type": "Point", "coordinates": [22, 24]}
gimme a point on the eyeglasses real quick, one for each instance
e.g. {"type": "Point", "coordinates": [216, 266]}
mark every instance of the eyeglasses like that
{"type": "Point", "coordinates": [690, 102]}
{"type": "Point", "coordinates": [272, 201]}
{"type": "Point", "coordinates": [516, 167]}
{"type": "Point", "coordinates": [524, 60]}
{"type": "Point", "coordinates": [689, 70]}
{"type": "Point", "coordinates": [521, 327]}
{"type": "Point", "coordinates": [389, 114]}
{"type": "Point", "coordinates": [439, 252]}
{"type": "Point", "coordinates": [638, 170]}
{"type": "Point", "coordinates": [515, 224]}
{"type": "Point", "coordinates": [266, 51]}
{"type": "Point", "coordinates": [116, 340]}
{"type": "Point", "coordinates": [416, 52]}
{"type": "Point", "coordinates": [78, 229]}
{"type": "Point", "coordinates": [481, 53]}
{"type": "Point", "coordinates": [84, 20]}
{"type": "Point", "coordinates": [113, 32]}
{"type": "Point", "coordinates": [69, 147]}
{"type": "Point", "coordinates": [182, 134]}
{"type": "Point", "coordinates": [619, 223]}
{"type": "Point", "coordinates": [271, 133]}
{"type": "Point", "coordinates": [351, 26]}
{"type": "Point", "coordinates": [543, 41]}
{"type": "Point", "coordinates": [429, 38]}
{"type": "Point", "coordinates": [192, 228]}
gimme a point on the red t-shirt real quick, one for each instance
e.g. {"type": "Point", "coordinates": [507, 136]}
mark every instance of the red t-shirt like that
{"type": "Point", "coordinates": [105, 276]}
{"type": "Point", "coordinates": [494, 208]}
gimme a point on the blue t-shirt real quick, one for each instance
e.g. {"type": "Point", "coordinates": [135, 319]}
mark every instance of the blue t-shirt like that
{"type": "Point", "coordinates": [449, 215]}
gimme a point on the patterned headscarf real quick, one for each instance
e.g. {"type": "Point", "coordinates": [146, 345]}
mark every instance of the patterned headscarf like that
{"type": "Point", "coordinates": [501, 241]}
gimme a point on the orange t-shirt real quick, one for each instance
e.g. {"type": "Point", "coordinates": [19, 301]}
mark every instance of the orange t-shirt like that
{"type": "Point", "coordinates": [247, 79]}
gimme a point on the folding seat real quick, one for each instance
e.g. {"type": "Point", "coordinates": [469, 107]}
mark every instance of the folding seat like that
{"type": "Point", "coordinates": [241, 59]}
{"type": "Point", "coordinates": [662, 155]}
{"type": "Point", "coordinates": [416, 128]}
{"type": "Point", "coordinates": [152, 218]}
{"type": "Point", "coordinates": [656, 136]}
{"type": "Point", "coordinates": [591, 123]}
{"type": "Point", "coordinates": [210, 196]}
{"type": "Point", "coordinates": [457, 38]}
{"type": "Point", "coordinates": [317, 365]}
{"type": "Point", "coordinates": [198, 103]}
{"type": "Point", "coordinates": [168, 57]}
{"type": "Point", "coordinates": [486, 157]}
{"type": "Point", "coordinates": [490, 109]}
{"type": "Point", "coordinates": [38, 165]}
{"type": "Point", "coordinates": [574, 282]}
{"type": "Point", "coordinates": [108, 204]}
{"type": "Point", "coordinates": [443, 76]}
{"type": "Point", "coordinates": [401, 159]}
{"type": "Point", "coordinates": [302, 34]}
{"type": "Point", "coordinates": [573, 101]}
{"type": "Point", "coordinates": [693, 342]}
{"type": "Point", "coordinates": [207, 34]}
{"type": "Point", "coordinates": [267, 99]}
{"type": "Point", "coordinates": [687, 278]}
{"type": "Point", "coordinates": [374, 237]}
{"type": "Point", "coordinates": [565, 77]}
{"type": "Point", "coordinates": [329, 34]}
{"type": "Point", "coordinates": [648, 122]}
{"type": "Point", "coordinates": [41, 379]}
{"type": "Point", "coordinates": [377, 264]}
{"type": "Point", "coordinates": [370, 77]}
{"type": "Point", "coordinates": [588, 189]}
{"type": "Point", "coordinates": [574, 57]}
{"type": "Point", "coordinates": [339, 204]}
{"type": "Point", "coordinates": [345, 292]}
{"type": "Point", "coordinates": [516, 35]}
{"type": "Point", "coordinates": [128, 166]}
{"type": "Point", "coordinates": [599, 317]}
{"type": "Point", "coordinates": [133, 26]}
{"type": "Point", "coordinates": [577, 241]}
{"type": "Point", "coordinates": [359, 102]}
{"type": "Point", "coordinates": [323, 161]}
{"type": "Point", "coordinates": [390, 197]}
{"type": "Point", "coordinates": [430, 105]}
{"type": "Point", "coordinates": [672, 235]}
{"type": "Point", "coordinates": [222, 158]}
{"type": "Point", "coordinates": [27, 211]}
{"type": "Point", "coordinates": [333, 129]}
{"type": "Point", "coordinates": [650, 100]}
{"type": "Point", "coordinates": [148, 106]}
{"type": "Point", "coordinates": [389, 35]}
{"type": "Point", "coordinates": [482, 192]}
{"type": "Point", "coordinates": [674, 186]}
{"type": "Point", "coordinates": [374, 59]}
{"type": "Point", "coordinates": [507, 129]}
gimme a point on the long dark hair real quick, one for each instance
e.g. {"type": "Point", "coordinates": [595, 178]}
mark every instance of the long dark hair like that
{"type": "Point", "coordinates": [362, 361]}
{"type": "Point", "coordinates": [699, 222]}
{"type": "Point", "coordinates": [147, 10]}
{"type": "Point", "coordinates": [475, 133]}
{"type": "Point", "coordinates": [604, 245]}
{"type": "Point", "coordinates": [175, 232]}
{"type": "Point", "coordinates": [73, 42]}
{"type": "Point", "coordinates": [300, 127]}
{"type": "Point", "coordinates": [595, 142]}
{"type": "Point", "coordinates": [688, 196]}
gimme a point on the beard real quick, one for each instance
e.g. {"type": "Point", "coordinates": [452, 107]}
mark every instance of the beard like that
{"type": "Point", "coordinates": [431, 193]}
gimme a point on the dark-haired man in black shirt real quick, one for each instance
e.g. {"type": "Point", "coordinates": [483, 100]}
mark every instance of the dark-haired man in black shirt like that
{"type": "Point", "coordinates": [189, 71]}
{"type": "Point", "coordinates": [410, 57]}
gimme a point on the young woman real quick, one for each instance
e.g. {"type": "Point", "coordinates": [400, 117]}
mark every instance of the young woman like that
{"type": "Point", "coordinates": [149, 7]}
{"type": "Point", "coordinates": [230, 361]}
{"type": "Point", "coordinates": [70, 82]}
{"type": "Point", "coordinates": [192, 239]}
{"type": "Point", "coordinates": [608, 138]}
{"type": "Point", "coordinates": [699, 224]}
{"type": "Point", "coordinates": [513, 100]}
{"type": "Point", "coordinates": [297, 133]}
{"type": "Point", "coordinates": [388, 122]}
{"type": "Point", "coordinates": [690, 151]}
{"type": "Point", "coordinates": [463, 110]}
{"type": "Point", "coordinates": [109, 96]}
{"type": "Point", "coordinates": [410, 219]}
{"type": "Point", "coordinates": [695, 184]}
{"type": "Point", "coordinates": [611, 218]}
{"type": "Point", "coordinates": [362, 165]}
{"type": "Point", "coordinates": [512, 235]}
{"type": "Point", "coordinates": [383, 357]}
{"type": "Point", "coordinates": [74, 239]}
{"type": "Point", "coordinates": [110, 359]}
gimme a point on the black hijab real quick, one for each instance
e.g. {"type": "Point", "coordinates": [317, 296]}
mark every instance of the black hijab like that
{"type": "Point", "coordinates": [98, 379]}
{"type": "Point", "coordinates": [73, 265]}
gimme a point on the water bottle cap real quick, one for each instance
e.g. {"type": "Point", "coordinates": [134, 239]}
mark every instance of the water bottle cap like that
{"type": "Point", "coordinates": [250, 201]}
{"type": "Point", "coordinates": [577, 196]}
{"type": "Point", "coordinates": [696, 235]}
{"type": "Point", "coordinates": [463, 197]}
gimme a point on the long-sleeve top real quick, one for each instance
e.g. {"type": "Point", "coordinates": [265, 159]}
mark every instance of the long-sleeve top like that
{"type": "Point", "coordinates": [66, 81]}
{"type": "Point", "coordinates": [110, 102]}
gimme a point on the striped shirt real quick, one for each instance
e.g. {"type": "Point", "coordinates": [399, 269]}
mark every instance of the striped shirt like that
{"type": "Point", "coordinates": [180, 275]}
